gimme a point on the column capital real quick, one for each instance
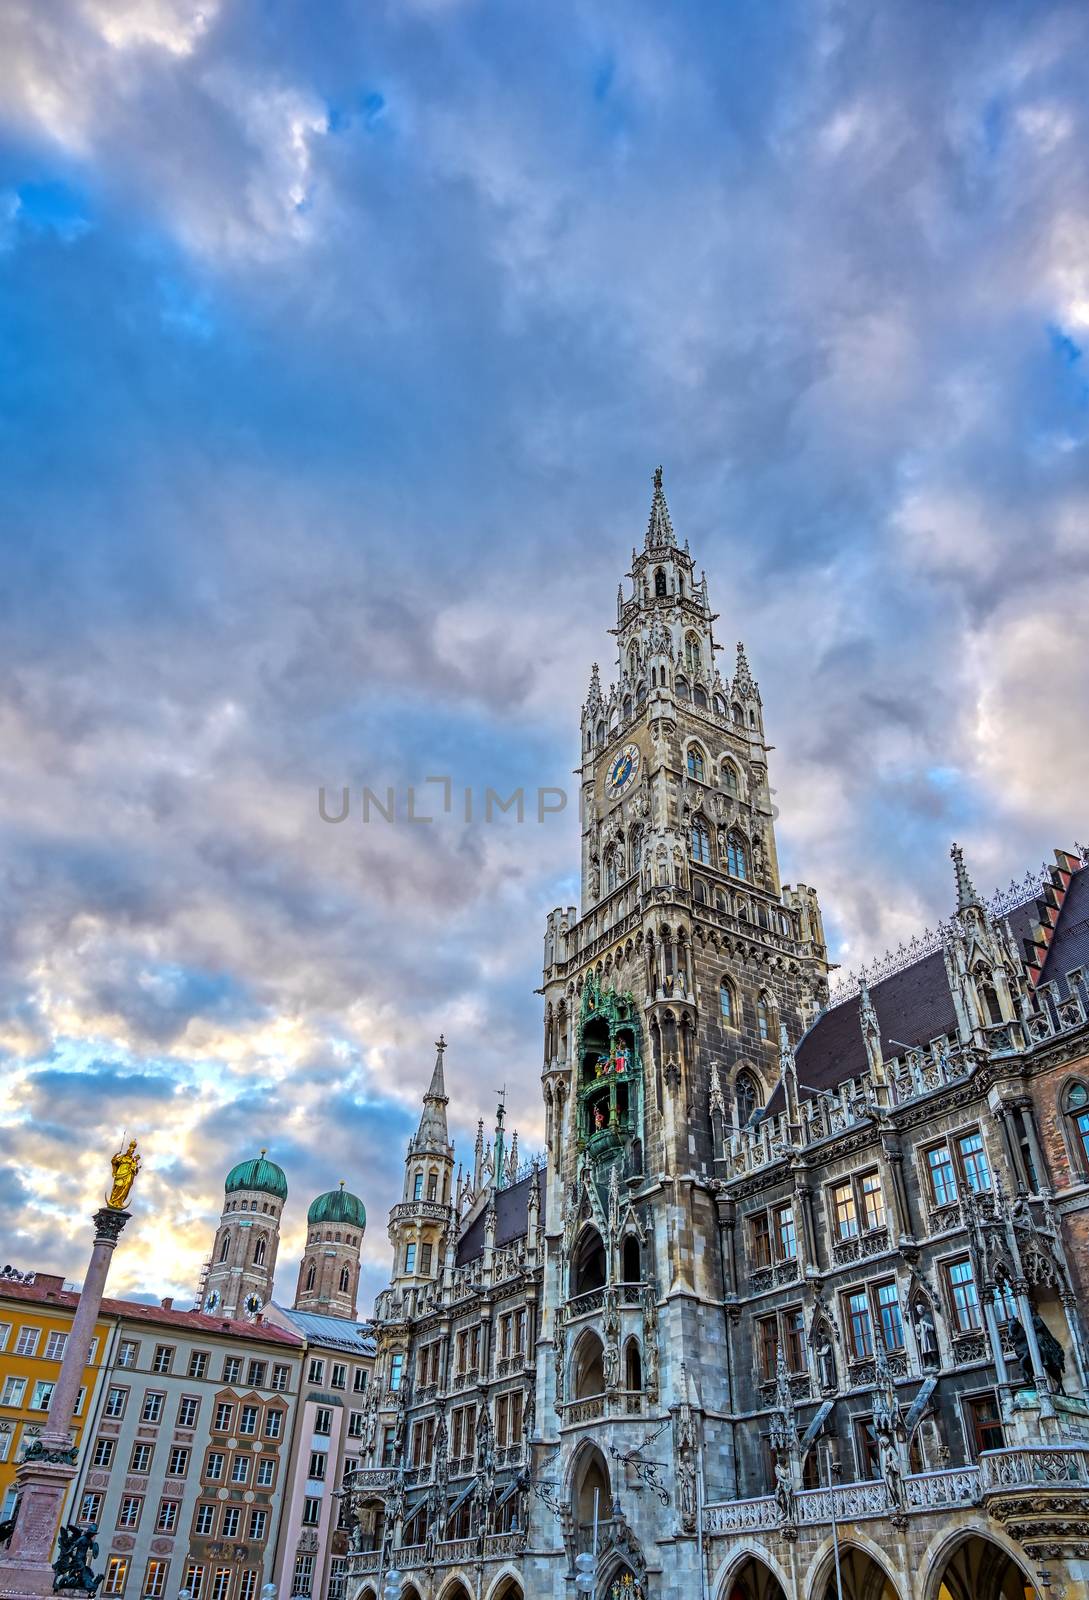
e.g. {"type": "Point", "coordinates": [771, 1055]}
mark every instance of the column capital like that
{"type": "Point", "coordinates": [108, 1225]}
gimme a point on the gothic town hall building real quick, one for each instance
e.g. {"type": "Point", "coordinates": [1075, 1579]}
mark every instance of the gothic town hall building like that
{"type": "Point", "coordinates": [795, 1306]}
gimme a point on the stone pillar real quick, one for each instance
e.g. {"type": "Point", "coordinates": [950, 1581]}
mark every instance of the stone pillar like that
{"type": "Point", "coordinates": [26, 1569]}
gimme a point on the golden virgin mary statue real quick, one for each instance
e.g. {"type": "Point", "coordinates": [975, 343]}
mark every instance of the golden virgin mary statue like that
{"type": "Point", "coordinates": [125, 1165]}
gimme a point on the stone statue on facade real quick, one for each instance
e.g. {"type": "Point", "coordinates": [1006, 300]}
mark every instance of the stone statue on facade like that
{"type": "Point", "coordinates": [78, 1547]}
{"type": "Point", "coordinates": [926, 1334]}
{"type": "Point", "coordinates": [686, 1493]}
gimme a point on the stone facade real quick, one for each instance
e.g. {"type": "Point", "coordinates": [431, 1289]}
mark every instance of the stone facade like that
{"type": "Point", "coordinates": [805, 1313]}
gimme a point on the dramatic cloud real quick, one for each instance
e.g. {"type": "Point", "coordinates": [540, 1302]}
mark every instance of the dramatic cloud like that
{"type": "Point", "coordinates": [337, 353]}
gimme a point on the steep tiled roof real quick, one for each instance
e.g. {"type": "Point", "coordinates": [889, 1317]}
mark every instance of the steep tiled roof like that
{"type": "Point", "coordinates": [511, 1221]}
{"type": "Point", "coordinates": [915, 1006]}
{"type": "Point", "coordinates": [336, 1333]}
{"type": "Point", "coordinates": [46, 1292]}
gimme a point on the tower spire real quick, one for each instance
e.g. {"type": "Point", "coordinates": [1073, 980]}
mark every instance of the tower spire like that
{"type": "Point", "coordinates": [660, 534]}
{"type": "Point", "coordinates": [744, 687]}
{"type": "Point", "coordinates": [966, 889]}
{"type": "Point", "coordinates": [432, 1131]}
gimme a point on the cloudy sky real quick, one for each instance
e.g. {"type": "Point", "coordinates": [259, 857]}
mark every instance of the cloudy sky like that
{"type": "Point", "coordinates": [338, 344]}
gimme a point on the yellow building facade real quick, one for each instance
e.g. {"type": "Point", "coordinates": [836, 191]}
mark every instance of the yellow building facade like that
{"type": "Point", "coordinates": [36, 1315]}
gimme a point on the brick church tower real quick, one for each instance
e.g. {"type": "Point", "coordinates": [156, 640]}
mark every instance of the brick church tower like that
{"type": "Point", "coordinates": [238, 1281]}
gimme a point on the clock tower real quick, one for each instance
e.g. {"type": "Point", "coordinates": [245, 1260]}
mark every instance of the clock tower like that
{"type": "Point", "coordinates": [667, 994]}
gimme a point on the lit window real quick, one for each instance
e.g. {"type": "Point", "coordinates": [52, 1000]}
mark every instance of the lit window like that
{"type": "Point", "coordinates": [844, 1210]}
{"type": "Point", "coordinates": [872, 1201]}
{"type": "Point", "coordinates": [117, 1570]}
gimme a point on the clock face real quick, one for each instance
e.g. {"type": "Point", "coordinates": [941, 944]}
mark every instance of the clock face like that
{"type": "Point", "coordinates": [211, 1300]}
{"type": "Point", "coordinates": [253, 1305]}
{"type": "Point", "coordinates": [623, 772]}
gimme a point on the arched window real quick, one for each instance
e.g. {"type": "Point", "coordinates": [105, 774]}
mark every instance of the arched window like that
{"type": "Point", "coordinates": [763, 1017]}
{"type": "Point", "coordinates": [641, 692]}
{"type": "Point", "coordinates": [692, 652]}
{"type": "Point", "coordinates": [738, 716]}
{"type": "Point", "coordinates": [729, 778]}
{"type": "Point", "coordinates": [259, 1253]}
{"type": "Point", "coordinates": [701, 841]}
{"type": "Point", "coordinates": [633, 663]}
{"type": "Point", "coordinates": [699, 695]}
{"type": "Point", "coordinates": [720, 706]}
{"type": "Point", "coordinates": [418, 1186]}
{"type": "Point", "coordinates": [659, 583]}
{"type": "Point", "coordinates": [432, 1184]}
{"type": "Point", "coordinates": [682, 688]}
{"type": "Point", "coordinates": [311, 1273]}
{"type": "Point", "coordinates": [345, 1280]}
{"type": "Point", "coordinates": [736, 860]}
{"type": "Point", "coordinates": [225, 1247]}
{"type": "Point", "coordinates": [752, 719]}
{"type": "Point", "coordinates": [601, 733]}
{"type": "Point", "coordinates": [726, 1001]}
{"type": "Point", "coordinates": [699, 893]}
{"type": "Point", "coordinates": [612, 870]}
{"type": "Point", "coordinates": [988, 997]}
{"type": "Point", "coordinates": [633, 1367]}
{"type": "Point", "coordinates": [630, 1263]}
{"type": "Point", "coordinates": [696, 764]}
{"type": "Point", "coordinates": [636, 849]}
{"type": "Point", "coordinates": [1076, 1106]}
{"type": "Point", "coordinates": [745, 1097]}
{"type": "Point", "coordinates": [627, 710]}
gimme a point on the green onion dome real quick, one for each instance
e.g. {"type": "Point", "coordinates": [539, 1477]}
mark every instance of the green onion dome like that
{"type": "Point", "coordinates": [259, 1174]}
{"type": "Point", "coordinates": [339, 1205]}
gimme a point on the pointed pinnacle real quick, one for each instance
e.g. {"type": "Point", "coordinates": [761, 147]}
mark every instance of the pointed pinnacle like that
{"type": "Point", "coordinates": [743, 681]}
{"type": "Point", "coordinates": [659, 528]}
{"type": "Point", "coordinates": [966, 889]}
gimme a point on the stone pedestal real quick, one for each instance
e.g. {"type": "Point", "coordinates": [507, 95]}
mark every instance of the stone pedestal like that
{"type": "Point", "coordinates": [47, 1469]}
{"type": "Point", "coordinates": [42, 1485]}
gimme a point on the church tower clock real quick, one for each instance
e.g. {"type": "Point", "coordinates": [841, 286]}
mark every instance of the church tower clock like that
{"type": "Point", "coordinates": [666, 992]}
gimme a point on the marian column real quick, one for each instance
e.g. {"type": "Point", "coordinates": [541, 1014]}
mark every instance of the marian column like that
{"type": "Point", "coordinates": [26, 1568]}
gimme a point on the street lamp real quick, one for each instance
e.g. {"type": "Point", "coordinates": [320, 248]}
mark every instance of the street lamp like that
{"type": "Point", "coordinates": [391, 1585]}
{"type": "Point", "coordinates": [585, 1578]}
